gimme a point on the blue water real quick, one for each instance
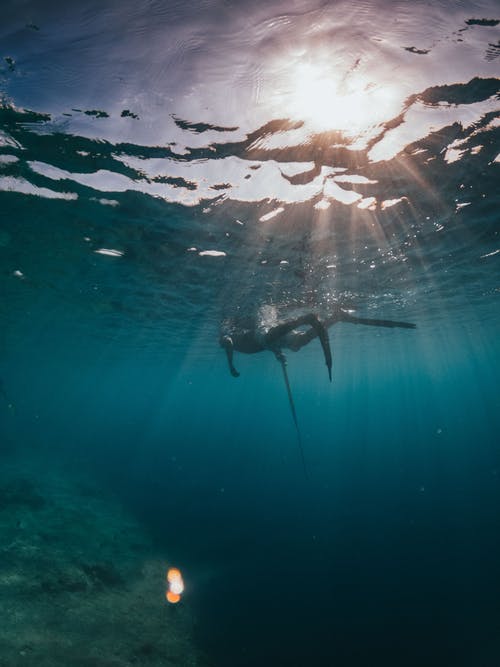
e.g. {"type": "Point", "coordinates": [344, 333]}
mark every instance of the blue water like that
{"type": "Point", "coordinates": [165, 165]}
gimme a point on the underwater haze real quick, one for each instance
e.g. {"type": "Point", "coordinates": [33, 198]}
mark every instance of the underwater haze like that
{"type": "Point", "coordinates": [166, 167]}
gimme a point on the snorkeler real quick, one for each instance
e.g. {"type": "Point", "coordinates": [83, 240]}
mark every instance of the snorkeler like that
{"type": "Point", "coordinates": [269, 333]}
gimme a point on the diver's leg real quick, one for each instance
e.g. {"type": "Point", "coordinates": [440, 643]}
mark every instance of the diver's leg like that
{"type": "Point", "coordinates": [280, 330]}
{"type": "Point", "coordinates": [276, 333]}
{"type": "Point", "coordinates": [296, 340]}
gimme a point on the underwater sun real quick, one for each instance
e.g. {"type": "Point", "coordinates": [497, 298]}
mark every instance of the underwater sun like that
{"type": "Point", "coordinates": [352, 104]}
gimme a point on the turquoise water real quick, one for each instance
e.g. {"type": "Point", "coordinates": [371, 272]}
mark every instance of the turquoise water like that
{"type": "Point", "coordinates": [166, 165]}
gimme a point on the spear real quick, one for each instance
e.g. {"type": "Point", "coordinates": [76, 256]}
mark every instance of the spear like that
{"type": "Point", "coordinates": [282, 360]}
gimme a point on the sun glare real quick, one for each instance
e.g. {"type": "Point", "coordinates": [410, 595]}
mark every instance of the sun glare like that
{"type": "Point", "coordinates": [352, 105]}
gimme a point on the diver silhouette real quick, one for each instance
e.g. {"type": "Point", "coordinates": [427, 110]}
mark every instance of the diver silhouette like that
{"type": "Point", "coordinates": [266, 332]}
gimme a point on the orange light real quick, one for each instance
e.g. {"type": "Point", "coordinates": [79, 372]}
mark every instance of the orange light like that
{"type": "Point", "coordinates": [174, 574]}
{"type": "Point", "coordinates": [173, 598]}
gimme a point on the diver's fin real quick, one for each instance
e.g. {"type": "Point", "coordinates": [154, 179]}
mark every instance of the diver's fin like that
{"type": "Point", "coordinates": [345, 317]}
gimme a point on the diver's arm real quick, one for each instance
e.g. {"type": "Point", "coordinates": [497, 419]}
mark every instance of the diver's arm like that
{"type": "Point", "coordinates": [227, 344]}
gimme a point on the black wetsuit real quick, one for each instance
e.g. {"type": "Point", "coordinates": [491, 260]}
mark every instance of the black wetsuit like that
{"type": "Point", "coordinates": [250, 336]}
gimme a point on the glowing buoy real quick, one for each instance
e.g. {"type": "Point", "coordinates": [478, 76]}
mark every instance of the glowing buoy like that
{"type": "Point", "coordinates": [175, 586]}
